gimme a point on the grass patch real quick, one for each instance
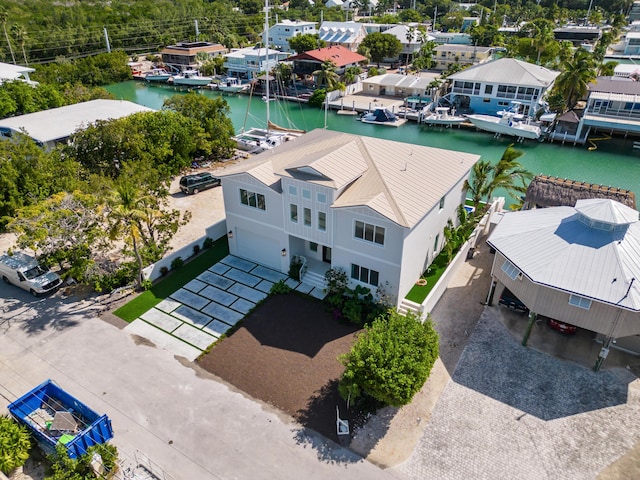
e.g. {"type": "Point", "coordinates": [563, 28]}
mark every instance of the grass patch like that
{"type": "Point", "coordinates": [176, 279]}
{"type": "Point", "coordinates": [419, 292]}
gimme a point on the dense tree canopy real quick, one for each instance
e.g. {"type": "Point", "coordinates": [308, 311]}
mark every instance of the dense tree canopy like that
{"type": "Point", "coordinates": [304, 43]}
{"type": "Point", "coordinates": [381, 46]}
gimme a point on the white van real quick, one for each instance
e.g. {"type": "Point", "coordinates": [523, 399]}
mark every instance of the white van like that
{"type": "Point", "coordinates": [25, 272]}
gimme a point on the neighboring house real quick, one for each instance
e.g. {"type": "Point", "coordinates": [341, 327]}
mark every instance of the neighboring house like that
{"type": "Point", "coordinates": [373, 207]}
{"type": "Point", "coordinates": [345, 34]}
{"type": "Point", "coordinates": [492, 86]}
{"type": "Point", "coordinates": [468, 22]}
{"type": "Point", "coordinates": [577, 35]}
{"type": "Point", "coordinates": [627, 70]}
{"type": "Point", "coordinates": [544, 191]}
{"type": "Point", "coordinates": [9, 73]}
{"type": "Point", "coordinates": [56, 125]}
{"type": "Point", "coordinates": [249, 62]}
{"type": "Point", "coordinates": [578, 265]}
{"type": "Point", "coordinates": [457, 38]}
{"type": "Point", "coordinates": [397, 85]}
{"type": "Point", "coordinates": [464, 55]}
{"type": "Point", "coordinates": [632, 43]}
{"type": "Point", "coordinates": [410, 42]}
{"type": "Point", "coordinates": [613, 105]}
{"type": "Point", "coordinates": [634, 14]}
{"type": "Point", "coordinates": [306, 63]}
{"type": "Point", "coordinates": [182, 56]}
{"type": "Point", "coordinates": [282, 32]}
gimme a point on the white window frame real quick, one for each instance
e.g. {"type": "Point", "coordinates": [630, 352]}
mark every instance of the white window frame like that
{"type": "Point", "coordinates": [259, 205]}
{"type": "Point", "coordinates": [364, 275]}
{"type": "Point", "coordinates": [511, 270]}
{"type": "Point", "coordinates": [579, 301]}
{"type": "Point", "coordinates": [306, 194]}
{"type": "Point", "coordinates": [375, 229]}
{"type": "Point", "coordinates": [293, 190]}
{"type": "Point", "coordinates": [322, 197]}
{"type": "Point", "coordinates": [322, 221]}
{"type": "Point", "coordinates": [306, 215]}
{"type": "Point", "coordinates": [293, 213]}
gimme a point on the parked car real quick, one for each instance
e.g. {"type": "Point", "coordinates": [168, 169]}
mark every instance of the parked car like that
{"type": "Point", "coordinates": [197, 182]}
{"type": "Point", "coordinates": [562, 327]}
{"type": "Point", "coordinates": [24, 271]}
{"type": "Point", "coordinates": [509, 300]}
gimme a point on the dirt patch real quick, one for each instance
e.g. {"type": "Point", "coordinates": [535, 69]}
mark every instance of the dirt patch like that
{"type": "Point", "coordinates": [285, 354]}
{"type": "Point", "coordinates": [138, 340]}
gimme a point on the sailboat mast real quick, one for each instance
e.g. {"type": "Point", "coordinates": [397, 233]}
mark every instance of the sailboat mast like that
{"type": "Point", "coordinates": [265, 40]}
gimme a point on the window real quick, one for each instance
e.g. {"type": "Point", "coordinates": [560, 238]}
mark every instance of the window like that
{"type": "Point", "coordinates": [578, 301]}
{"type": "Point", "coordinates": [435, 243]}
{"type": "Point", "coordinates": [252, 199]}
{"type": "Point", "coordinates": [370, 233]}
{"type": "Point", "coordinates": [322, 198]}
{"type": "Point", "coordinates": [441, 203]}
{"type": "Point", "coordinates": [488, 89]}
{"type": "Point", "coordinates": [307, 217]}
{"type": "Point", "coordinates": [313, 246]}
{"type": "Point", "coordinates": [510, 269]}
{"type": "Point", "coordinates": [293, 211]}
{"type": "Point", "coordinates": [293, 190]}
{"type": "Point", "coordinates": [322, 221]}
{"type": "Point", "coordinates": [306, 193]}
{"type": "Point", "coordinates": [364, 275]}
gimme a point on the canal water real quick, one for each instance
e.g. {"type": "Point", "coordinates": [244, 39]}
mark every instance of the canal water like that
{"type": "Point", "coordinates": [614, 162]}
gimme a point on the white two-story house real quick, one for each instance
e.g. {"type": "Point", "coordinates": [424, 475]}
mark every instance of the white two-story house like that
{"type": "Point", "coordinates": [374, 207]}
{"type": "Point", "coordinates": [249, 62]}
{"type": "Point", "coordinates": [493, 86]}
{"type": "Point", "coordinates": [282, 32]}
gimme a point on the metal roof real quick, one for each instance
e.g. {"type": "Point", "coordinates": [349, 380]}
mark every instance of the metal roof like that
{"type": "Point", "coordinates": [621, 85]}
{"type": "Point", "coordinates": [58, 123]}
{"type": "Point", "coordinates": [340, 32]}
{"type": "Point", "coordinates": [400, 181]}
{"type": "Point", "coordinates": [554, 247]}
{"type": "Point", "coordinates": [14, 72]}
{"type": "Point", "coordinates": [508, 71]}
{"type": "Point", "coordinates": [398, 80]}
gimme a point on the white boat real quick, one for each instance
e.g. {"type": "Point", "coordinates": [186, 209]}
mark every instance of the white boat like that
{"type": "Point", "coordinates": [258, 140]}
{"type": "Point", "coordinates": [509, 124]}
{"type": "Point", "coordinates": [159, 75]}
{"type": "Point", "coordinates": [232, 85]}
{"type": "Point", "coordinates": [191, 78]}
{"type": "Point", "coordinates": [381, 116]}
{"type": "Point", "coordinates": [441, 116]}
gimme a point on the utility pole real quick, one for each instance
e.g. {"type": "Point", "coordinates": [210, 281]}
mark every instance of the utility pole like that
{"type": "Point", "coordinates": [195, 22]}
{"type": "Point", "coordinates": [589, 11]}
{"type": "Point", "coordinates": [106, 39]}
{"type": "Point", "coordinates": [435, 18]}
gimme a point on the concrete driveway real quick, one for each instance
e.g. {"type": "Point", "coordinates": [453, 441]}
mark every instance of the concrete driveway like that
{"type": "Point", "coordinates": [190, 424]}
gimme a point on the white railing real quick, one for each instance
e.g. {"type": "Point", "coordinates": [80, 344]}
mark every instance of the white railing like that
{"type": "Point", "coordinates": [303, 266]}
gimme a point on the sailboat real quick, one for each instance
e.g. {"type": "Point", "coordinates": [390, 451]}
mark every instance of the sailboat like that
{"type": "Point", "coordinates": [257, 140]}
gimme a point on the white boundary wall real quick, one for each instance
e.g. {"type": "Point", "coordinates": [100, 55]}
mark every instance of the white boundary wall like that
{"type": "Point", "coordinates": [214, 232]}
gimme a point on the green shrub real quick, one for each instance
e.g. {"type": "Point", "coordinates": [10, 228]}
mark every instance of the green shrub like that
{"type": "Point", "coordinates": [65, 468]}
{"type": "Point", "coordinates": [176, 263]}
{"type": "Point", "coordinates": [390, 360]}
{"type": "Point", "coordinates": [208, 243]}
{"type": "Point", "coordinates": [196, 249]}
{"type": "Point", "coordinates": [279, 288]}
{"type": "Point", "coordinates": [164, 270]}
{"type": "Point", "coordinates": [294, 268]}
{"type": "Point", "coordinates": [14, 444]}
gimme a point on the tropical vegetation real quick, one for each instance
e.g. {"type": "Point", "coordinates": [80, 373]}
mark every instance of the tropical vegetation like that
{"type": "Point", "coordinates": [15, 444]}
{"type": "Point", "coordinates": [390, 360]}
{"type": "Point", "coordinates": [64, 468]}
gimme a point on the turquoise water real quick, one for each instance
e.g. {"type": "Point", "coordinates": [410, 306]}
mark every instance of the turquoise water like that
{"type": "Point", "coordinates": [613, 163]}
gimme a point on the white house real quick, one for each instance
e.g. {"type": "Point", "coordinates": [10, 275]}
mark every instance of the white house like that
{"type": "Point", "coordinates": [282, 32]}
{"type": "Point", "coordinates": [491, 86]}
{"type": "Point", "coordinates": [346, 34]}
{"type": "Point", "coordinates": [251, 61]}
{"type": "Point", "coordinates": [374, 207]}
{"type": "Point", "coordinates": [578, 265]}
{"type": "Point", "coordinates": [49, 127]}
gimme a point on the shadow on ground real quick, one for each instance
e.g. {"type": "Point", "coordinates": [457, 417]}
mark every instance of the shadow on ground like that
{"type": "Point", "coordinates": [495, 364]}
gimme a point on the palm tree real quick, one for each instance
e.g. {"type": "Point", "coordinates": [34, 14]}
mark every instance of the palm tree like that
{"type": "Point", "coordinates": [477, 187]}
{"type": "Point", "coordinates": [507, 173]}
{"type": "Point", "coordinates": [3, 18]}
{"type": "Point", "coordinates": [327, 75]}
{"type": "Point", "coordinates": [410, 36]}
{"type": "Point", "coordinates": [576, 75]}
{"type": "Point", "coordinates": [20, 34]}
{"type": "Point", "coordinates": [128, 211]}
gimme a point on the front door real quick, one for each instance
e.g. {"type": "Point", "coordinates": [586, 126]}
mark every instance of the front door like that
{"type": "Point", "coordinates": [326, 254]}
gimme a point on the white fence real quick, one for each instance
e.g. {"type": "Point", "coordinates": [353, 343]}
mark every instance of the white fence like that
{"type": "Point", "coordinates": [443, 283]}
{"type": "Point", "coordinates": [215, 231]}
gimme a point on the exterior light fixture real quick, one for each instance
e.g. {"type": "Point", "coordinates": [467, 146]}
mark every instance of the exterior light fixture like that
{"type": "Point", "coordinates": [284, 252]}
{"type": "Point", "coordinates": [230, 234]}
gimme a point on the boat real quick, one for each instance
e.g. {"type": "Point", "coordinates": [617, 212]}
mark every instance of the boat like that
{"type": "Point", "coordinates": [441, 116]}
{"type": "Point", "coordinates": [191, 78]}
{"type": "Point", "coordinates": [509, 123]}
{"type": "Point", "coordinates": [159, 75]}
{"type": "Point", "coordinates": [381, 116]}
{"type": "Point", "coordinates": [258, 140]}
{"type": "Point", "coordinates": [232, 85]}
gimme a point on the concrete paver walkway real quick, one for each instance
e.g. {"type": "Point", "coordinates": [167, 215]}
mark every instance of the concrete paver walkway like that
{"type": "Point", "coordinates": [196, 315]}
